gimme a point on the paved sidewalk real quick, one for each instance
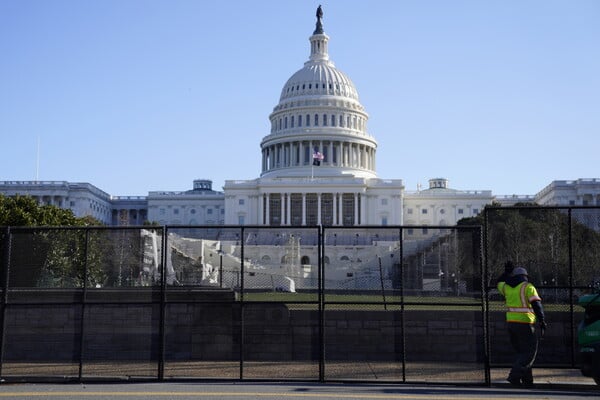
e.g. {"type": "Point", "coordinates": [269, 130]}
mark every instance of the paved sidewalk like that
{"type": "Point", "coordinates": [469, 374]}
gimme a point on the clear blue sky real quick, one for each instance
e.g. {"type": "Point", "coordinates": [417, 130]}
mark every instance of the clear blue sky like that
{"type": "Point", "coordinates": [142, 95]}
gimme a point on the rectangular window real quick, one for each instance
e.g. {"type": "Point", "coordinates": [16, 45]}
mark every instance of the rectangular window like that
{"type": "Point", "coordinates": [327, 209]}
{"type": "Point", "coordinates": [241, 220]}
{"type": "Point", "coordinates": [475, 211]}
{"type": "Point", "coordinates": [409, 231]}
{"type": "Point", "coordinates": [241, 202]}
{"type": "Point", "coordinates": [409, 211]}
{"type": "Point", "coordinates": [162, 211]}
{"type": "Point", "coordinates": [275, 209]}
{"type": "Point", "coordinates": [311, 202]}
{"type": "Point", "coordinates": [424, 211]}
{"type": "Point", "coordinates": [460, 211]}
{"type": "Point", "coordinates": [384, 221]}
{"type": "Point", "coordinates": [384, 202]}
{"type": "Point", "coordinates": [209, 211]}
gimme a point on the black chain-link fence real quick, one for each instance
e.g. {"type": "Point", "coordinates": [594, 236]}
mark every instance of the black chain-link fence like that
{"type": "Point", "coordinates": [387, 304]}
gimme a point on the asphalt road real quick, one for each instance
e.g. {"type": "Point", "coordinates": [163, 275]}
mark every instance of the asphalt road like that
{"type": "Point", "coordinates": [291, 391]}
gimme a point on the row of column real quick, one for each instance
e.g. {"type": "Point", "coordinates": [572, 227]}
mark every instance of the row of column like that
{"type": "Point", "coordinates": [126, 217]}
{"type": "Point", "coordinates": [58, 201]}
{"type": "Point", "coordinates": [340, 154]}
{"type": "Point", "coordinates": [282, 216]}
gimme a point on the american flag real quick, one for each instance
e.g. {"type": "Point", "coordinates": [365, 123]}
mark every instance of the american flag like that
{"type": "Point", "coordinates": [317, 158]}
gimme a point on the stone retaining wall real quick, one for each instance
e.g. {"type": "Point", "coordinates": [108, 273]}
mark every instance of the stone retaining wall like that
{"type": "Point", "coordinates": [200, 330]}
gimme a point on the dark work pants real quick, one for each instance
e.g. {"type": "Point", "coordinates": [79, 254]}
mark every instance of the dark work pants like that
{"type": "Point", "coordinates": [525, 343]}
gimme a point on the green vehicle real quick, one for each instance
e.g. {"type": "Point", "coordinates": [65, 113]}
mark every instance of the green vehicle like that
{"type": "Point", "coordinates": [588, 335]}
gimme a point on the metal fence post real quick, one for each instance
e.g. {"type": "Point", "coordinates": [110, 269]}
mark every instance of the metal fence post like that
{"type": "Point", "coordinates": [83, 303]}
{"type": "Point", "coordinates": [482, 236]}
{"type": "Point", "coordinates": [402, 320]}
{"type": "Point", "coordinates": [7, 250]}
{"type": "Point", "coordinates": [571, 306]}
{"type": "Point", "coordinates": [242, 324]}
{"type": "Point", "coordinates": [321, 300]}
{"type": "Point", "coordinates": [163, 300]}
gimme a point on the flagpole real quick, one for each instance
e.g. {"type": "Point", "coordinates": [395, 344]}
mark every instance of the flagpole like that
{"type": "Point", "coordinates": [37, 161]}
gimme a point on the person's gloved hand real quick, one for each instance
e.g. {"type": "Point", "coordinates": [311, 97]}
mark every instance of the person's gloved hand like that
{"type": "Point", "coordinates": [543, 326]}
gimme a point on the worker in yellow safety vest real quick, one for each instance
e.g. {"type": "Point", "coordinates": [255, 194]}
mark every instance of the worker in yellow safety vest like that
{"type": "Point", "coordinates": [524, 309]}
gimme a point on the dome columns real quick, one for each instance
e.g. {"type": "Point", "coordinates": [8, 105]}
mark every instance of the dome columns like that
{"type": "Point", "coordinates": [298, 153]}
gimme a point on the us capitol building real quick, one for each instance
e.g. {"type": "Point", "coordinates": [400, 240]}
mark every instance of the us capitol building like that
{"type": "Point", "coordinates": [318, 167]}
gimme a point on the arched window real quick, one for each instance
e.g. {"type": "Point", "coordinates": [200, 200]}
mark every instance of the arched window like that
{"type": "Point", "coordinates": [299, 120]}
{"type": "Point", "coordinates": [305, 260]}
{"type": "Point", "coordinates": [324, 119]}
{"type": "Point", "coordinates": [285, 123]}
{"type": "Point", "coordinates": [292, 121]}
{"type": "Point", "coordinates": [316, 119]}
{"type": "Point", "coordinates": [341, 120]}
{"type": "Point", "coordinates": [333, 120]}
{"type": "Point", "coordinates": [279, 123]}
{"type": "Point", "coordinates": [266, 259]}
{"type": "Point", "coordinates": [307, 120]}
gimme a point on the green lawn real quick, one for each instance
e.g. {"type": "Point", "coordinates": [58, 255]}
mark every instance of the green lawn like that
{"type": "Point", "coordinates": [376, 302]}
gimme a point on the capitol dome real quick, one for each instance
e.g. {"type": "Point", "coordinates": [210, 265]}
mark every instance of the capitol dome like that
{"type": "Point", "coordinates": [318, 121]}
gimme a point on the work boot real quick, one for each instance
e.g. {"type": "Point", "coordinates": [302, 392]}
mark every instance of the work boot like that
{"type": "Point", "coordinates": [527, 378]}
{"type": "Point", "coordinates": [527, 383]}
{"type": "Point", "coordinates": [514, 381]}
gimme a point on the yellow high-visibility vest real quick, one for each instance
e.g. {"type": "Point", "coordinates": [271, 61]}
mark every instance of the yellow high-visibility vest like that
{"type": "Point", "coordinates": [518, 302]}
